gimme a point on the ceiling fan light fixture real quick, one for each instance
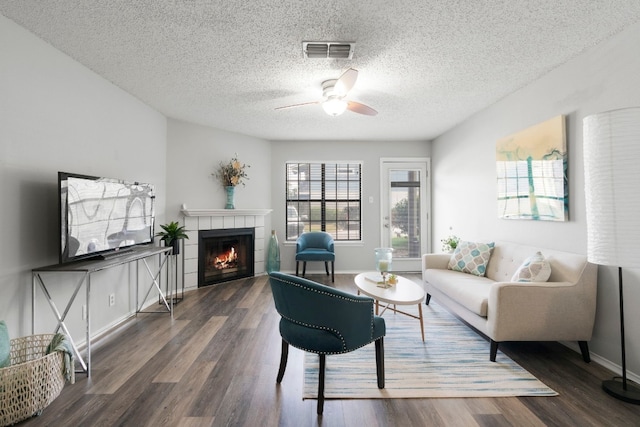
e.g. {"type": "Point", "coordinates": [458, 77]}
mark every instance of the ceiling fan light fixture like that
{"type": "Point", "coordinates": [334, 106]}
{"type": "Point", "coordinates": [334, 92]}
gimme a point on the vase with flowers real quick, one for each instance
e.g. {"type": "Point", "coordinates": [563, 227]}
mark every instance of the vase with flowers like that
{"type": "Point", "coordinates": [231, 174]}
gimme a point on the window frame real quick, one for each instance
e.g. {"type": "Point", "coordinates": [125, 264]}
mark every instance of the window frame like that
{"type": "Point", "coordinates": [330, 199]}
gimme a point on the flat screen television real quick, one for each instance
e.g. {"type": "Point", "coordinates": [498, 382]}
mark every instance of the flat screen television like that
{"type": "Point", "coordinates": [101, 216]}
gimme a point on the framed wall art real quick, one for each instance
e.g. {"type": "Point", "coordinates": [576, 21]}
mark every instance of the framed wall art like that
{"type": "Point", "coordinates": [532, 173]}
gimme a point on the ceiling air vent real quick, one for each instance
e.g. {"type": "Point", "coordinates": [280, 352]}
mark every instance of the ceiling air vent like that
{"type": "Point", "coordinates": [330, 50]}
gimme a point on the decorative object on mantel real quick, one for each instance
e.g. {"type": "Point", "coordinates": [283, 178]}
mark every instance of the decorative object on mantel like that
{"type": "Point", "coordinates": [450, 243]}
{"type": "Point", "coordinates": [611, 153]}
{"type": "Point", "coordinates": [231, 191]}
{"type": "Point", "coordinates": [172, 234]}
{"type": "Point", "coordinates": [273, 255]}
{"type": "Point", "coordinates": [230, 175]}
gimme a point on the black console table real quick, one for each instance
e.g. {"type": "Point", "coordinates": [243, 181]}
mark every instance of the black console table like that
{"type": "Point", "coordinates": [85, 269]}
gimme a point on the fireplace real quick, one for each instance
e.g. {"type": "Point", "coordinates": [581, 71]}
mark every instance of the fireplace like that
{"type": "Point", "coordinates": [225, 254]}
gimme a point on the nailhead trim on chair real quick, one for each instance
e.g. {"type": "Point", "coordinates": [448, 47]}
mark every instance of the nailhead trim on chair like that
{"type": "Point", "coordinates": [323, 293]}
{"type": "Point", "coordinates": [344, 345]}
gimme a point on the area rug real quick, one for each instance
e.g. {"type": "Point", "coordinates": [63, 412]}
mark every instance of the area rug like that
{"type": "Point", "coordinates": [452, 362]}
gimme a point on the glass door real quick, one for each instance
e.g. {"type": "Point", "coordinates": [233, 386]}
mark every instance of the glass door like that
{"type": "Point", "coordinates": [405, 216]}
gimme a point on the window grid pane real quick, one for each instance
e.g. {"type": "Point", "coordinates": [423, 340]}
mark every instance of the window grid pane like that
{"type": "Point", "coordinates": [324, 197]}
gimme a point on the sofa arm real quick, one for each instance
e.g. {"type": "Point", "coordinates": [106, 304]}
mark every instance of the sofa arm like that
{"type": "Point", "coordinates": [439, 261]}
{"type": "Point", "coordinates": [541, 311]}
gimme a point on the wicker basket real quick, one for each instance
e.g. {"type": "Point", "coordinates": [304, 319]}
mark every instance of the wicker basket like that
{"type": "Point", "coordinates": [33, 380]}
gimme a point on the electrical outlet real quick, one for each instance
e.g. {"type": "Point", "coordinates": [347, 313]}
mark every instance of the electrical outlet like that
{"type": "Point", "coordinates": [112, 300]}
{"type": "Point", "coordinates": [84, 312]}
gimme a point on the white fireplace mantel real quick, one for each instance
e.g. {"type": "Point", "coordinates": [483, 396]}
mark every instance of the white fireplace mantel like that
{"type": "Point", "coordinates": [225, 212]}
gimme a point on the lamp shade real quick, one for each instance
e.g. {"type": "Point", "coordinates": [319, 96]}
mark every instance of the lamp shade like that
{"type": "Point", "coordinates": [612, 187]}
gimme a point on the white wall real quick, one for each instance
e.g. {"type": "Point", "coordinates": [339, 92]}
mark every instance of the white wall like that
{"type": "Point", "coordinates": [194, 153]}
{"type": "Point", "coordinates": [350, 257]}
{"type": "Point", "coordinates": [464, 178]}
{"type": "Point", "coordinates": [57, 115]}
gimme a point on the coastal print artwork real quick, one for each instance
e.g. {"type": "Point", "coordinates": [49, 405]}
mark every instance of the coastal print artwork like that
{"type": "Point", "coordinates": [532, 173]}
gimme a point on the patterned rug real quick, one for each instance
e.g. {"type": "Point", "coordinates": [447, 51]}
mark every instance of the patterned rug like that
{"type": "Point", "coordinates": [453, 362]}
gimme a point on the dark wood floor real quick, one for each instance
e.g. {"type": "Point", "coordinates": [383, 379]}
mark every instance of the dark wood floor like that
{"type": "Point", "coordinates": [215, 364]}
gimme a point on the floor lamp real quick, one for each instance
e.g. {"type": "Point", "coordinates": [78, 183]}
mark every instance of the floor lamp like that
{"type": "Point", "coordinates": [612, 194]}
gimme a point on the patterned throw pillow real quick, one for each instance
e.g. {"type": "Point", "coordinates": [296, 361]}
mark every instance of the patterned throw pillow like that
{"type": "Point", "coordinates": [470, 257]}
{"type": "Point", "coordinates": [534, 269]}
{"type": "Point", "coordinates": [5, 346]}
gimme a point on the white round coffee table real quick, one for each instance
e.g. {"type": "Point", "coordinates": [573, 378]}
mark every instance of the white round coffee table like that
{"type": "Point", "coordinates": [404, 292]}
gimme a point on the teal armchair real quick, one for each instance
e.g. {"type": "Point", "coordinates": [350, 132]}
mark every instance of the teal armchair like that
{"type": "Point", "coordinates": [315, 246]}
{"type": "Point", "coordinates": [326, 321]}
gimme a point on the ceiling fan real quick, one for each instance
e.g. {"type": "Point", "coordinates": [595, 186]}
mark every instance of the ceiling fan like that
{"type": "Point", "coordinates": [334, 93]}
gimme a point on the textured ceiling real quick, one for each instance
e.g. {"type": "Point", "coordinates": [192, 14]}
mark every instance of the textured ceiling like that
{"type": "Point", "coordinates": [425, 65]}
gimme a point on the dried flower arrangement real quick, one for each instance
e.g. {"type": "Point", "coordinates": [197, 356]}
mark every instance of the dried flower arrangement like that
{"type": "Point", "coordinates": [232, 173]}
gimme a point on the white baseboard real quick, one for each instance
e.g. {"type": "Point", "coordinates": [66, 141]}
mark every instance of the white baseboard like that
{"type": "Point", "coordinates": [605, 363]}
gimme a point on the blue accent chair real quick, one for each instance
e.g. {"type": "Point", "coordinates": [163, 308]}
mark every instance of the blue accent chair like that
{"type": "Point", "coordinates": [315, 246]}
{"type": "Point", "coordinates": [324, 320]}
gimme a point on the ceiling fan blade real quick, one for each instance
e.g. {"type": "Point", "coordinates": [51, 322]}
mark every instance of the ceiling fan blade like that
{"type": "Point", "coordinates": [346, 82]}
{"type": "Point", "coordinates": [359, 108]}
{"type": "Point", "coordinates": [297, 105]}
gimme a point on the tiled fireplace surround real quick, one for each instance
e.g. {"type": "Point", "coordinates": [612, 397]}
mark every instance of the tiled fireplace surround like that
{"type": "Point", "coordinates": [216, 219]}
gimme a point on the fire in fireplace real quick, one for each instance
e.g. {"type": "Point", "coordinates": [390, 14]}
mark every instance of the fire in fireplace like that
{"type": "Point", "coordinates": [225, 254]}
{"type": "Point", "coordinates": [229, 259]}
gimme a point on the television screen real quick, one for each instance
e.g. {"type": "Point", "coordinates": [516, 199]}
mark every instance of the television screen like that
{"type": "Point", "coordinates": [101, 215]}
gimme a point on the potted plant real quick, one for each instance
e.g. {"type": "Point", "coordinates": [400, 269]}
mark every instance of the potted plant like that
{"type": "Point", "coordinates": [450, 243]}
{"type": "Point", "coordinates": [172, 234]}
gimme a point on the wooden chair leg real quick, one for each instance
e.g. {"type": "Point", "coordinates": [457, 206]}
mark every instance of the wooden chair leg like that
{"type": "Point", "coordinates": [321, 383]}
{"type": "Point", "coordinates": [326, 267]}
{"type": "Point", "coordinates": [297, 262]}
{"type": "Point", "coordinates": [493, 351]}
{"type": "Point", "coordinates": [304, 268]}
{"type": "Point", "coordinates": [332, 273]}
{"type": "Point", "coordinates": [380, 362]}
{"type": "Point", "coordinates": [427, 299]}
{"type": "Point", "coordinates": [584, 349]}
{"type": "Point", "coordinates": [283, 360]}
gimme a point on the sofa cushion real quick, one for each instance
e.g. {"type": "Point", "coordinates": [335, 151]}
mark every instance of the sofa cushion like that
{"type": "Point", "coordinates": [467, 290]}
{"type": "Point", "coordinates": [536, 268]}
{"type": "Point", "coordinates": [5, 346]}
{"type": "Point", "coordinates": [471, 257]}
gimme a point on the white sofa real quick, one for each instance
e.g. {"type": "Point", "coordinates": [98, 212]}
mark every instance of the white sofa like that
{"type": "Point", "coordinates": [560, 309]}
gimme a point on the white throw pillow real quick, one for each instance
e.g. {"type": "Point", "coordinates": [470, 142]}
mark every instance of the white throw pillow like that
{"type": "Point", "coordinates": [536, 268]}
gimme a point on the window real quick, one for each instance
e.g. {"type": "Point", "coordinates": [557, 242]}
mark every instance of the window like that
{"type": "Point", "coordinates": [324, 197]}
